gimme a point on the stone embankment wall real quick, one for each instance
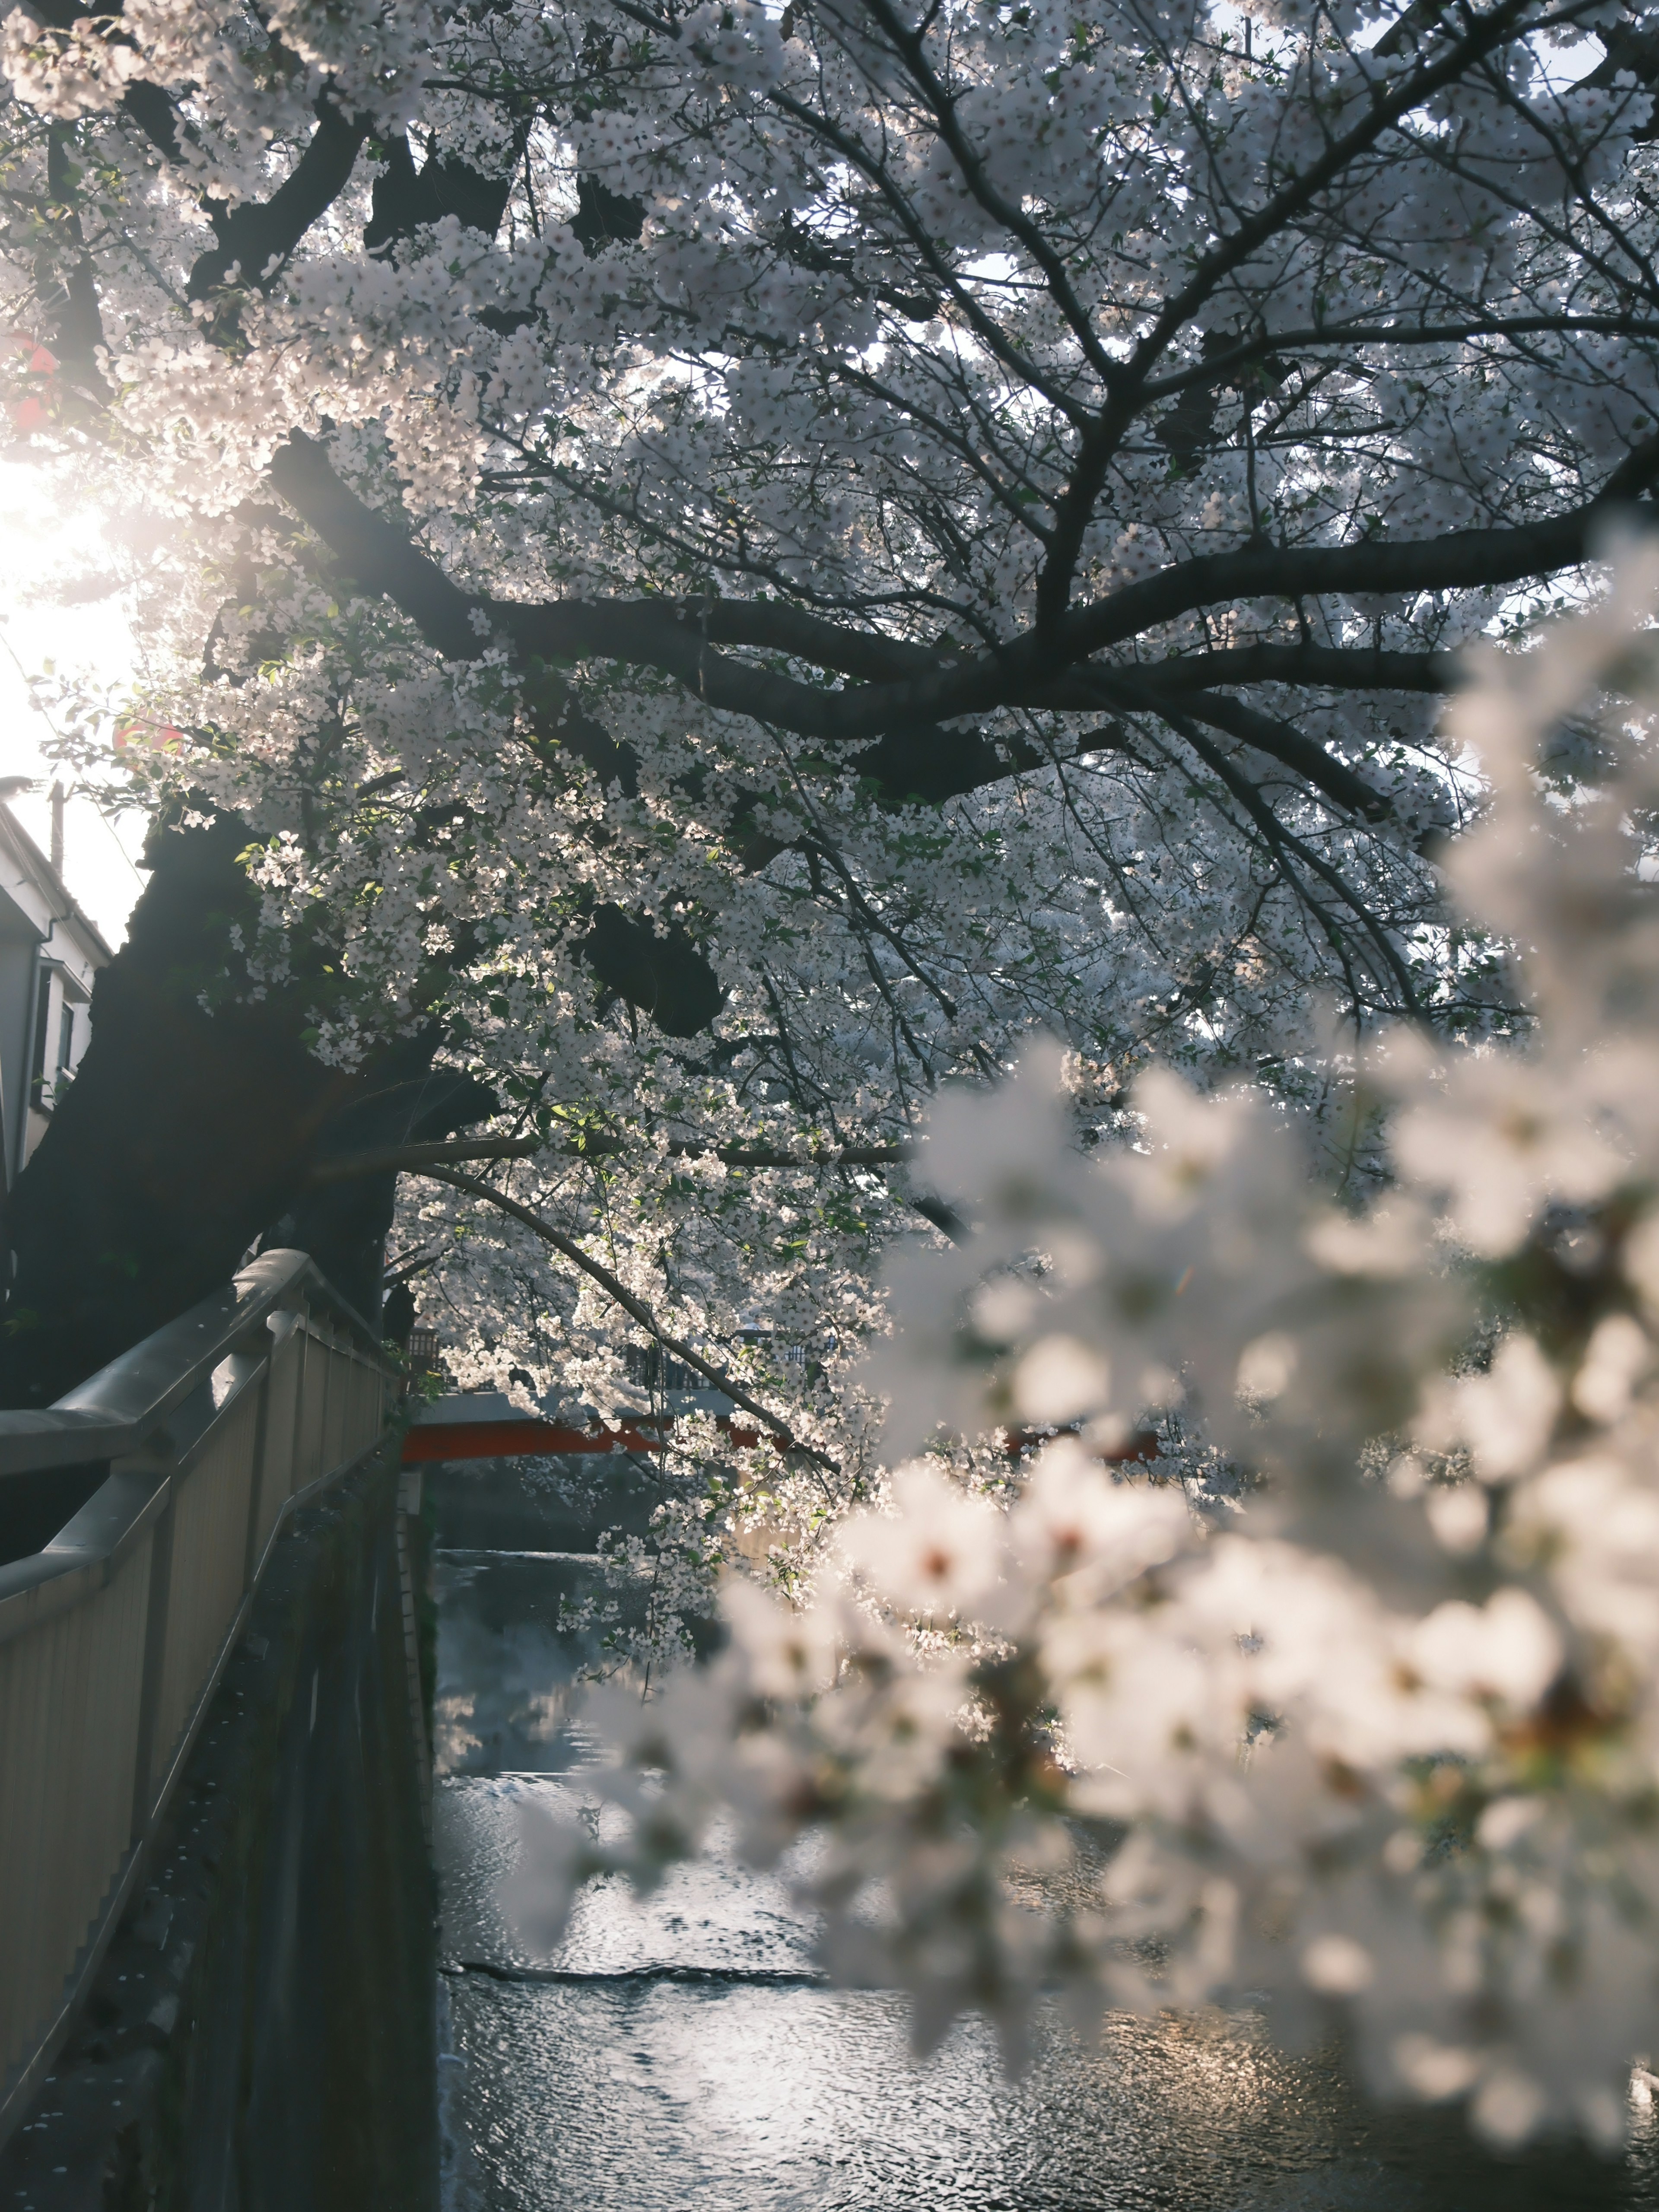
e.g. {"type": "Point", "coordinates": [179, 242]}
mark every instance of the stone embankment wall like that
{"type": "Point", "coordinates": [261, 2035]}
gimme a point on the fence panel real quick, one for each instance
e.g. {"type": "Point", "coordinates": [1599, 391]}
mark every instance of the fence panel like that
{"type": "Point", "coordinates": [339, 1423]}
{"type": "Point", "coordinates": [69, 1685]}
{"type": "Point", "coordinates": [211, 1501]}
{"type": "Point", "coordinates": [313, 1411]}
{"type": "Point", "coordinates": [284, 1375]}
{"type": "Point", "coordinates": [356, 1402]}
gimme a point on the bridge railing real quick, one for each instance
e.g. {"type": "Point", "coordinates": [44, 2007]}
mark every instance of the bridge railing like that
{"type": "Point", "coordinates": [113, 1635]}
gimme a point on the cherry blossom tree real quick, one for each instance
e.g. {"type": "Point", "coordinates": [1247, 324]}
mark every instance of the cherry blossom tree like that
{"type": "Point", "coordinates": [731, 566]}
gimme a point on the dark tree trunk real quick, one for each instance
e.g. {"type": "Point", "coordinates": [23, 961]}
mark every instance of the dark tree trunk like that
{"type": "Point", "coordinates": [189, 1134]}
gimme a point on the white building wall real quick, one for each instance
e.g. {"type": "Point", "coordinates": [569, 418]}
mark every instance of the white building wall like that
{"type": "Point", "coordinates": [50, 952]}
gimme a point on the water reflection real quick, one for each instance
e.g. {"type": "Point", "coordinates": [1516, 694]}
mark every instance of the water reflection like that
{"type": "Point", "coordinates": [669, 2096]}
{"type": "Point", "coordinates": [506, 1668]}
{"type": "Point", "coordinates": [716, 1916]}
{"type": "Point", "coordinates": [618, 2087]}
{"type": "Point", "coordinates": [666, 2097]}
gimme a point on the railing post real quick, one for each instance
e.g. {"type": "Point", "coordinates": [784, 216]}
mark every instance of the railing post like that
{"type": "Point", "coordinates": [154, 1662]}
{"type": "Point", "coordinates": [265, 1346]}
{"type": "Point", "coordinates": [326, 1363]}
{"type": "Point", "coordinates": [408, 1508]}
{"type": "Point", "coordinates": [301, 1399]}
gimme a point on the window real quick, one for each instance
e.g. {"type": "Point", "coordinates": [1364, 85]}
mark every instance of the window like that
{"type": "Point", "coordinates": [38, 1073]}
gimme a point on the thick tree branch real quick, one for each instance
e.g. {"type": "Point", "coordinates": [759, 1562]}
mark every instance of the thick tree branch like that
{"type": "Point", "coordinates": [677, 636]}
{"type": "Point", "coordinates": [776, 627]}
{"type": "Point", "coordinates": [378, 556]}
{"type": "Point", "coordinates": [1321, 337]}
{"type": "Point", "coordinates": [1461, 560]}
{"type": "Point", "coordinates": [1283, 742]}
{"type": "Point", "coordinates": [929, 764]}
{"type": "Point", "coordinates": [406, 197]}
{"type": "Point", "coordinates": [66, 280]}
{"type": "Point", "coordinates": [259, 233]}
{"type": "Point", "coordinates": [255, 233]}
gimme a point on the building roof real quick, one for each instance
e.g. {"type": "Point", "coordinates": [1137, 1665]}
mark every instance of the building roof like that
{"type": "Point", "coordinates": [45, 877]}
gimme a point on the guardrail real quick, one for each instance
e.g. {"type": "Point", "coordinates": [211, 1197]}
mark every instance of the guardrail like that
{"type": "Point", "coordinates": [113, 1635]}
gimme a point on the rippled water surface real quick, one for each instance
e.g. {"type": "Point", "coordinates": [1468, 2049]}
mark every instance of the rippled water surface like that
{"type": "Point", "coordinates": [682, 2057]}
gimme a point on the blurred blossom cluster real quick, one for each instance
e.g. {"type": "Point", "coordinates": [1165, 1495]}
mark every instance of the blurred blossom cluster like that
{"type": "Point", "coordinates": [1378, 1735]}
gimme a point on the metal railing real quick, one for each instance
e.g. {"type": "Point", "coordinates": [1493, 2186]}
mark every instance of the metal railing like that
{"type": "Point", "coordinates": [112, 1636]}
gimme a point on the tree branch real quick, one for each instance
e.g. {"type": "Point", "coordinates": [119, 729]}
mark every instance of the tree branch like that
{"type": "Point", "coordinates": [375, 553]}
{"type": "Point", "coordinates": [1281, 841]}
{"type": "Point", "coordinates": [635, 1307]}
{"type": "Point", "coordinates": [1461, 560]}
{"type": "Point", "coordinates": [675, 636]}
{"type": "Point", "coordinates": [257, 232]}
{"type": "Point", "coordinates": [1292, 747]}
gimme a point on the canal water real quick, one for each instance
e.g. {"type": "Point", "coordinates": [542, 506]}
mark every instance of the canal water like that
{"type": "Point", "coordinates": [683, 2057]}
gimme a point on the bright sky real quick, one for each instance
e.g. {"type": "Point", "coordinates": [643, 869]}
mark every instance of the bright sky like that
{"type": "Point", "coordinates": [92, 640]}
